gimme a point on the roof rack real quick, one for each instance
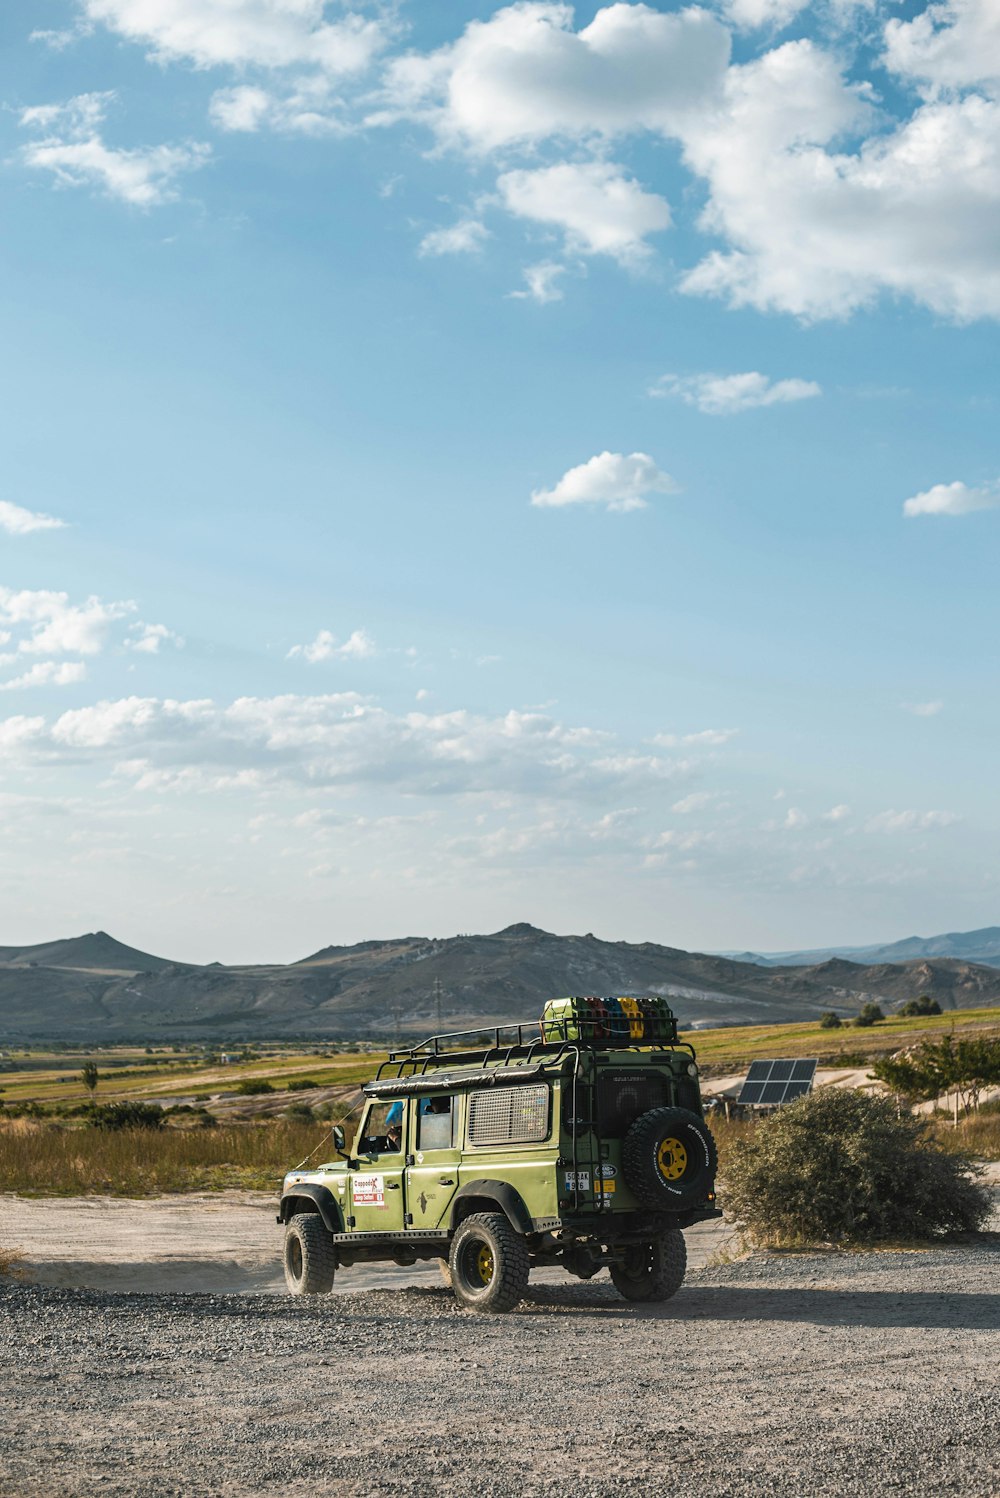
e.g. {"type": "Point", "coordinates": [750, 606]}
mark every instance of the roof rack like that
{"type": "Point", "coordinates": [517, 1041]}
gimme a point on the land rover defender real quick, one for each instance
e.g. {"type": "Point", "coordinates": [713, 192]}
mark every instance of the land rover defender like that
{"type": "Point", "coordinates": [578, 1141]}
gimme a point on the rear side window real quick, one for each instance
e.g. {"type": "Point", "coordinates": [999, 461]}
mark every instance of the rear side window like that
{"type": "Point", "coordinates": [623, 1095]}
{"type": "Point", "coordinates": [509, 1115]}
{"type": "Point", "coordinates": [436, 1123]}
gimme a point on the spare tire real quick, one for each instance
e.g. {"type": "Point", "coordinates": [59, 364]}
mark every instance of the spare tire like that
{"type": "Point", "coordinates": [669, 1159]}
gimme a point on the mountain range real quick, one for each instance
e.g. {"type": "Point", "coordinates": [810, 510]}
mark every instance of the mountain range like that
{"type": "Point", "coordinates": [981, 946]}
{"type": "Point", "coordinates": [95, 988]}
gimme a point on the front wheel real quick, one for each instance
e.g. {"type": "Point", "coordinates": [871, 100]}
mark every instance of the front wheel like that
{"type": "Point", "coordinates": [310, 1257]}
{"type": "Point", "coordinates": [489, 1263]}
{"type": "Point", "coordinates": [652, 1271]}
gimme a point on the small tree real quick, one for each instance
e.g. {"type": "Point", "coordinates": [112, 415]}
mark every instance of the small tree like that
{"type": "Point", "coordinates": [90, 1076]}
{"type": "Point", "coordinates": [923, 1004]}
{"type": "Point", "coordinates": [829, 1021]}
{"type": "Point", "coordinates": [840, 1166]}
{"type": "Point", "coordinates": [869, 1014]}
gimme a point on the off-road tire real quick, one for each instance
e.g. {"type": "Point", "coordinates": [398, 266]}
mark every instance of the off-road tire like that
{"type": "Point", "coordinates": [669, 1158]}
{"type": "Point", "coordinates": [310, 1257]}
{"type": "Point", "coordinates": [488, 1233]}
{"type": "Point", "coordinates": [652, 1271]}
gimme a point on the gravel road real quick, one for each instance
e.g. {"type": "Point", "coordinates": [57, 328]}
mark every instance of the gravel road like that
{"type": "Point", "coordinates": [805, 1374]}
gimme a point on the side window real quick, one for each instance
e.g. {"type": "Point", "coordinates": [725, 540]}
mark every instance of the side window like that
{"type": "Point", "coordinates": [436, 1123]}
{"type": "Point", "coordinates": [382, 1130]}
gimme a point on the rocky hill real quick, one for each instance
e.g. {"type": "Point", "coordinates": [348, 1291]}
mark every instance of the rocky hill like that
{"type": "Point", "coordinates": [83, 989]}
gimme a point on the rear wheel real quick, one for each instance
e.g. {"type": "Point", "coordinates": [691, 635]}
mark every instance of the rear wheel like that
{"type": "Point", "coordinates": [310, 1257]}
{"type": "Point", "coordinates": [489, 1263]}
{"type": "Point", "coordinates": [654, 1270]}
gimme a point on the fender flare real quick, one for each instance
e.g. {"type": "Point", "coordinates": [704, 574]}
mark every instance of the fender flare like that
{"type": "Point", "coordinates": [327, 1207]}
{"type": "Point", "coordinates": [503, 1194]}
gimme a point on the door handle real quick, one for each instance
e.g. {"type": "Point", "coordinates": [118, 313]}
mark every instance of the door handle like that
{"type": "Point", "coordinates": [445, 1181]}
{"type": "Point", "coordinates": [392, 1185]}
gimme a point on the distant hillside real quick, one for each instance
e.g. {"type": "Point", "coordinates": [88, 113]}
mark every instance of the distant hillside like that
{"type": "Point", "coordinates": [96, 950]}
{"type": "Point", "coordinates": [981, 946]}
{"type": "Point", "coordinates": [414, 985]}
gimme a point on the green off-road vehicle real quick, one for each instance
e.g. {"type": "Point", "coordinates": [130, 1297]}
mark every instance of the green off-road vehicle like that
{"type": "Point", "coordinates": [546, 1145]}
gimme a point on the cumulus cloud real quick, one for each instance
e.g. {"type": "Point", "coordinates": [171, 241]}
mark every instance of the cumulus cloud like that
{"type": "Point", "coordinates": [613, 479]}
{"type": "Point", "coordinates": [697, 801]}
{"type": "Point", "coordinates": [749, 15]}
{"type": "Point", "coordinates": [601, 210]}
{"type": "Point", "coordinates": [820, 232]}
{"type": "Point", "coordinates": [541, 280]}
{"type": "Point", "coordinates": [240, 33]}
{"type": "Point", "coordinates": [953, 45]}
{"type": "Point", "coordinates": [47, 674]}
{"type": "Point", "coordinates": [358, 646]}
{"type": "Point", "coordinates": [909, 821]}
{"type": "Point", "coordinates": [836, 813]}
{"type": "Point", "coordinates": [721, 395]}
{"type": "Point", "coordinates": [953, 499]}
{"type": "Point", "coordinates": [466, 237]}
{"type": "Point", "coordinates": [71, 147]}
{"type": "Point", "coordinates": [17, 521]}
{"type": "Point", "coordinates": [49, 624]}
{"type": "Point", "coordinates": [524, 75]}
{"type": "Point", "coordinates": [147, 638]}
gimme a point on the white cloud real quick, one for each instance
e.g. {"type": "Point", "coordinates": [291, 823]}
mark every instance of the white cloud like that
{"type": "Point", "coordinates": [52, 625]}
{"type": "Point", "coordinates": [48, 673]}
{"type": "Point", "coordinates": [325, 648]}
{"type": "Point", "coordinates": [613, 479]}
{"type": "Point", "coordinates": [245, 108]}
{"type": "Point", "coordinates": [239, 33]}
{"type": "Point", "coordinates": [721, 395]}
{"type": "Point", "coordinates": [909, 821]}
{"type": "Point", "coordinates": [818, 232]}
{"type": "Point", "coordinates": [17, 521]}
{"type": "Point", "coordinates": [749, 15]}
{"type": "Point", "coordinates": [794, 817]}
{"type": "Point", "coordinates": [72, 149]}
{"type": "Point", "coordinates": [541, 282]}
{"type": "Point", "coordinates": [953, 499]}
{"type": "Point", "coordinates": [697, 801]}
{"type": "Point", "coordinates": [950, 45]}
{"type": "Point", "coordinates": [601, 210]}
{"type": "Point", "coordinates": [836, 813]}
{"type": "Point", "coordinates": [923, 709]}
{"type": "Point", "coordinates": [149, 638]}
{"type": "Point", "coordinates": [704, 738]}
{"type": "Point", "coordinates": [524, 75]}
{"type": "Point", "coordinates": [466, 237]}
{"type": "Point", "coordinates": [17, 732]}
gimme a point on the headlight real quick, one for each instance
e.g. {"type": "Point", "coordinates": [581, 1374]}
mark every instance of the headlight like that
{"type": "Point", "coordinates": [692, 1069]}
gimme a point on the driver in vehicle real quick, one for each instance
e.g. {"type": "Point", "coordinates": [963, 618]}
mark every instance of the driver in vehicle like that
{"type": "Point", "coordinates": [391, 1141]}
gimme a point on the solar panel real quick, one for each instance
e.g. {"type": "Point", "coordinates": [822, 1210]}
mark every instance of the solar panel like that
{"type": "Point", "coordinates": [770, 1083]}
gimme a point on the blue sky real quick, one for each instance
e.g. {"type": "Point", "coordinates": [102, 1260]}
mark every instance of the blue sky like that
{"type": "Point", "coordinates": [522, 463]}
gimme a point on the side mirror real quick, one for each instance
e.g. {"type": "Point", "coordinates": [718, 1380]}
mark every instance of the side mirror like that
{"type": "Point", "coordinates": [339, 1138]}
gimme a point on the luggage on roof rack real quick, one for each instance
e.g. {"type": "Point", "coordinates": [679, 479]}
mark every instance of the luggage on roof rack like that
{"type": "Point", "coordinates": [608, 1021]}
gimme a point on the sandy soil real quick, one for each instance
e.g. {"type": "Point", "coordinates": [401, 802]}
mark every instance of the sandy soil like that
{"type": "Point", "coordinates": [225, 1243]}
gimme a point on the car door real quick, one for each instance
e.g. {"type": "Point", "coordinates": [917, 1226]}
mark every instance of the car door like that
{"type": "Point", "coordinates": [378, 1185]}
{"type": "Point", "coordinates": [432, 1179]}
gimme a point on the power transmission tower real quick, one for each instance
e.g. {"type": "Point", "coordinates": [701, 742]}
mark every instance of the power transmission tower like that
{"type": "Point", "coordinates": [437, 1004]}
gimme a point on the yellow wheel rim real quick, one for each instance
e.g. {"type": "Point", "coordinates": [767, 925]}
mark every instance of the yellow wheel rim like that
{"type": "Point", "coordinates": [671, 1159]}
{"type": "Point", "coordinates": [484, 1263]}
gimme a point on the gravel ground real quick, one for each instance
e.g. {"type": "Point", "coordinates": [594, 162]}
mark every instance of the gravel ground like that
{"type": "Point", "coordinates": [806, 1374]}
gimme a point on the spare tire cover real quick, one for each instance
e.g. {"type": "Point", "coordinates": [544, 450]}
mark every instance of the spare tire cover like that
{"type": "Point", "coordinates": [669, 1158]}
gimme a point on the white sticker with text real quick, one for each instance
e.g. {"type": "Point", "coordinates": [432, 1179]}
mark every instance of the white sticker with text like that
{"type": "Point", "coordinates": [368, 1191]}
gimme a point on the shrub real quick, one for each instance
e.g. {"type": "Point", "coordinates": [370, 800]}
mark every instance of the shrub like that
{"type": "Point", "coordinates": [126, 1116]}
{"type": "Point", "coordinates": [829, 1021]}
{"type": "Point", "coordinates": [300, 1113]}
{"type": "Point", "coordinates": [924, 1004]}
{"type": "Point", "coordinates": [254, 1087]}
{"type": "Point", "coordinates": [869, 1014]}
{"type": "Point", "coordinates": [839, 1166]}
{"type": "Point", "coordinates": [301, 1086]}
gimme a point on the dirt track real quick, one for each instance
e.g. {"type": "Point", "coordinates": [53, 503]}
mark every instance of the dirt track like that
{"type": "Point", "coordinates": [806, 1375]}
